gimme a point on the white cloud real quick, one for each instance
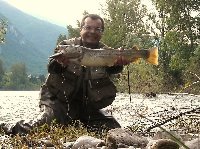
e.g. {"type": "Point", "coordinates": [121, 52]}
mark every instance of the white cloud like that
{"type": "Point", "coordinates": [62, 12]}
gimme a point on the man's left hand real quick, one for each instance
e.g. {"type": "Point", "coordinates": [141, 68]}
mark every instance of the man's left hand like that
{"type": "Point", "coordinates": [121, 60]}
{"type": "Point", "coordinates": [61, 58]}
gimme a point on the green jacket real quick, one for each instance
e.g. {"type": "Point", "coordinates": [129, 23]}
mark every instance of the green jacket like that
{"type": "Point", "coordinates": [79, 83]}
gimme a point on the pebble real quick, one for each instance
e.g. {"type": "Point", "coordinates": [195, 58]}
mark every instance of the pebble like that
{"type": "Point", "coordinates": [116, 139]}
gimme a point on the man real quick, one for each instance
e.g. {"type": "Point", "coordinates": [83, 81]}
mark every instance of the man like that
{"type": "Point", "coordinates": [73, 92]}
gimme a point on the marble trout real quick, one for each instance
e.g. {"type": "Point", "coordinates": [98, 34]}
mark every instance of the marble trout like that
{"type": "Point", "coordinates": [105, 57]}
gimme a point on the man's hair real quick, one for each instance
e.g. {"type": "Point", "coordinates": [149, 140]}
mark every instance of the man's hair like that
{"type": "Point", "coordinates": [94, 17]}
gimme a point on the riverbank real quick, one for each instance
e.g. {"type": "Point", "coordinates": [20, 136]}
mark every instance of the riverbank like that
{"type": "Point", "coordinates": [131, 111]}
{"type": "Point", "coordinates": [17, 105]}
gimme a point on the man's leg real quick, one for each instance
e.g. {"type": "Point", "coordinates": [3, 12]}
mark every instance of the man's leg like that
{"type": "Point", "coordinates": [23, 127]}
{"type": "Point", "coordinates": [100, 121]}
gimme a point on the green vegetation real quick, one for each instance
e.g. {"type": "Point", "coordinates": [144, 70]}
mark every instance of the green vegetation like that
{"type": "Point", "coordinates": [174, 28]}
{"type": "Point", "coordinates": [3, 30]}
{"type": "Point", "coordinates": [18, 79]}
{"type": "Point", "coordinates": [28, 39]}
{"type": "Point", "coordinates": [54, 134]}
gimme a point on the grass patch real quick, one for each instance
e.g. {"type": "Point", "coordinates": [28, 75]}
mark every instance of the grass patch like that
{"type": "Point", "coordinates": [48, 135]}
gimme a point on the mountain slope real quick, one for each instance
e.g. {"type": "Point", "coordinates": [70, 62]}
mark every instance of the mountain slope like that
{"type": "Point", "coordinates": [29, 40]}
{"type": "Point", "coordinates": [19, 50]}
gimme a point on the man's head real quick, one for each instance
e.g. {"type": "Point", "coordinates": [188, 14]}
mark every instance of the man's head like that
{"type": "Point", "coordinates": [92, 27]}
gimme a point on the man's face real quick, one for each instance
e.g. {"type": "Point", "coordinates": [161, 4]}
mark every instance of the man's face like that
{"type": "Point", "coordinates": [91, 32]}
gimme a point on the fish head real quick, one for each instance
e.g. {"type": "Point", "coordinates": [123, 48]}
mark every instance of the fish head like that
{"type": "Point", "coordinates": [71, 51]}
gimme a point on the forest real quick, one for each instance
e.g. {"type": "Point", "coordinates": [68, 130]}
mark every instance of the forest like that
{"type": "Point", "coordinates": [172, 26]}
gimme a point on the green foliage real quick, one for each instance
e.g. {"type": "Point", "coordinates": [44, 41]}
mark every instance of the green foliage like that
{"type": "Point", "coordinates": [2, 71]}
{"type": "Point", "coordinates": [3, 29]}
{"type": "Point", "coordinates": [17, 79]}
{"type": "Point", "coordinates": [141, 77]}
{"type": "Point", "coordinates": [192, 74]}
{"type": "Point", "coordinates": [178, 24]}
{"type": "Point", "coordinates": [28, 39]}
{"type": "Point", "coordinates": [125, 24]}
{"type": "Point", "coordinates": [55, 134]}
{"type": "Point", "coordinates": [60, 38]}
{"type": "Point", "coordinates": [73, 32]}
{"type": "Point", "coordinates": [173, 27]}
{"type": "Point", "coordinates": [195, 61]}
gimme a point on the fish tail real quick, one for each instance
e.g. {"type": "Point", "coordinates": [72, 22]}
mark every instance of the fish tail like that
{"type": "Point", "coordinates": [153, 56]}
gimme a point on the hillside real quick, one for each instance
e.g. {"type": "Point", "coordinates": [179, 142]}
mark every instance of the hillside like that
{"type": "Point", "coordinates": [28, 40]}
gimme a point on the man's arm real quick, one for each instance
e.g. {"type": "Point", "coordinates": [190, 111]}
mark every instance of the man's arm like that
{"type": "Point", "coordinates": [114, 69]}
{"type": "Point", "coordinates": [54, 67]}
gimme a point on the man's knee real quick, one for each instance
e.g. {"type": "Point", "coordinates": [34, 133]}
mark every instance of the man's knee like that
{"type": "Point", "coordinates": [46, 115]}
{"type": "Point", "coordinates": [101, 119]}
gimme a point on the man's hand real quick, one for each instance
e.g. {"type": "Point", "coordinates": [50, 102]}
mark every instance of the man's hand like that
{"type": "Point", "coordinates": [61, 58]}
{"type": "Point", "coordinates": [121, 60]}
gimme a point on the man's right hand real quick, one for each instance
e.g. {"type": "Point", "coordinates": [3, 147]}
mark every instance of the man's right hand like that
{"type": "Point", "coordinates": [61, 58]}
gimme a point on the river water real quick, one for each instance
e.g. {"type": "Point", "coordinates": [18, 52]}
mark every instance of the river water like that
{"type": "Point", "coordinates": [17, 105]}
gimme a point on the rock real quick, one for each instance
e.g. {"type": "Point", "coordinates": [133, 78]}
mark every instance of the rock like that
{"type": "Point", "coordinates": [68, 145]}
{"type": "Point", "coordinates": [47, 143]}
{"type": "Point", "coordinates": [111, 142]}
{"type": "Point", "coordinates": [85, 142]}
{"type": "Point", "coordinates": [162, 144]}
{"type": "Point", "coordinates": [163, 135]}
{"type": "Point", "coordinates": [4, 138]}
{"type": "Point", "coordinates": [5, 127]}
{"type": "Point", "coordinates": [193, 144]}
{"type": "Point", "coordinates": [4, 142]}
{"type": "Point", "coordinates": [119, 136]}
{"type": "Point", "coordinates": [150, 95]}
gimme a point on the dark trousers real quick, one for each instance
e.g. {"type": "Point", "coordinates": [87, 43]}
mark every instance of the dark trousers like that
{"type": "Point", "coordinates": [96, 121]}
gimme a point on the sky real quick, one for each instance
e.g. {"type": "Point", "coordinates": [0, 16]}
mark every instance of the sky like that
{"type": "Point", "coordinates": [60, 12]}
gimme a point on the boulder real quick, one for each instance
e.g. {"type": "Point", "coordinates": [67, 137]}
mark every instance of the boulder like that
{"type": "Point", "coordinates": [193, 144]}
{"type": "Point", "coordinates": [162, 144]}
{"type": "Point", "coordinates": [87, 142]}
{"type": "Point", "coordinates": [118, 137]}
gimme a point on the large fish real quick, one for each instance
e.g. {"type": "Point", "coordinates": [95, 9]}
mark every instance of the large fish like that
{"type": "Point", "coordinates": [105, 57]}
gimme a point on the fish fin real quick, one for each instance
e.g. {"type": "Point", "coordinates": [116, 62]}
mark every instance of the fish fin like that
{"type": "Point", "coordinates": [135, 48]}
{"type": "Point", "coordinates": [136, 60]}
{"type": "Point", "coordinates": [153, 56]}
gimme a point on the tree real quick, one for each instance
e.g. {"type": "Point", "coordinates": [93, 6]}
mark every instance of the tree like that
{"type": "Point", "coordinates": [125, 24]}
{"type": "Point", "coordinates": [1, 72]}
{"type": "Point", "coordinates": [60, 38]}
{"type": "Point", "coordinates": [192, 75]}
{"type": "Point", "coordinates": [3, 29]}
{"type": "Point", "coordinates": [18, 76]}
{"type": "Point", "coordinates": [179, 29]}
{"type": "Point", "coordinates": [73, 32]}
